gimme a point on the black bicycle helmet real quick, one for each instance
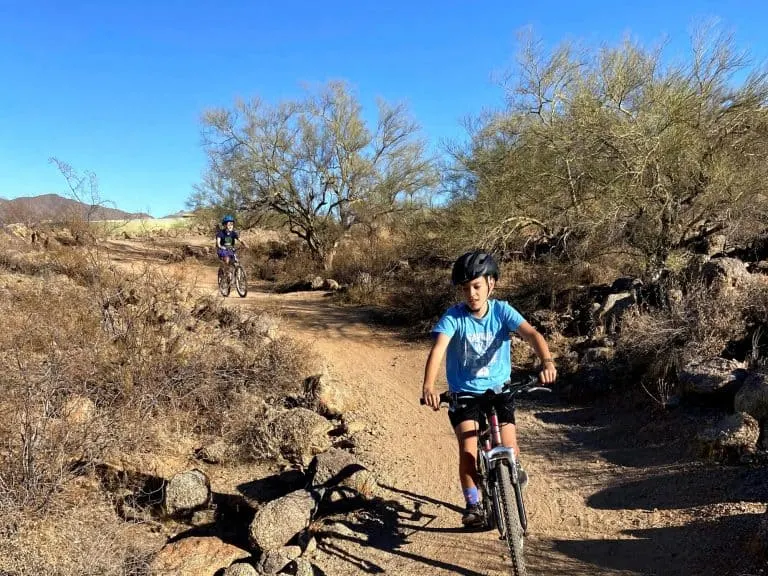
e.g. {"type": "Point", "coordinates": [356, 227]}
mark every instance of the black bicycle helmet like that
{"type": "Point", "coordinates": [473, 265]}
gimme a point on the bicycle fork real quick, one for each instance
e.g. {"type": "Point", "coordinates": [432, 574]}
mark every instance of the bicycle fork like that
{"type": "Point", "coordinates": [499, 455]}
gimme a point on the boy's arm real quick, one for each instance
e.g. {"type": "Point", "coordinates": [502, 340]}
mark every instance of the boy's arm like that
{"type": "Point", "coordinates": [537, 342]}
{"type": "Point", "coordinates": [432, 369]}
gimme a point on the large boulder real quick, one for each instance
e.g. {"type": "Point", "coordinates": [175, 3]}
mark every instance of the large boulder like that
{"type": "Point", "coordinates": [187, 492]}
{"type": "Point", "coordinates": [329, 395]}
{"type": "Point", "coordinates": [725, 272]}
{"type": "Point", "coordinates": [338, 468]}
{"type": "Point", "coordinates": [711, 375]}
{"type": "Point", "coordinates": [241, 569]}
{"type": "Point", "coordinates": [300, 433]}
{"type": "Point", "coordinates": [752, 397]}
{"type": "Point", "coordinates": [278, 521]}
{"type": "Point", "coordinates": [273, 561]}
{"type": "Point", "coordinates": [613, 309]}
{"type": "Point", "coordinates": [732, 437]}
{"type": "Point", "coordinates": [304, 567]}
{"type": "Point", "coordinates": [196, 556]}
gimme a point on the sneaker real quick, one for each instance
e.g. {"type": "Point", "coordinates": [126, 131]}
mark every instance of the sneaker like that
{"type": "Point", "coordinates": [473, 515]}
{"type": "Point", "coordinates": [522, 476]}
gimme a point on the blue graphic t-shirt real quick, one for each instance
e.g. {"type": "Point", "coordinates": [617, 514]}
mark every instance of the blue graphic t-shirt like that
{"type": "Point", "coordinates": [478, 355]}
{"type": "Point", "coordinates": [227, 238]}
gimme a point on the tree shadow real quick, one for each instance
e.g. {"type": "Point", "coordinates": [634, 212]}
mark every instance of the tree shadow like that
{"type": "Point", "coordinates": [274, 486]}
{"type": "Point", "coordinates": [631, 436]}
{"type": "Point", "coordinates": [671, 551]}
{"type": "Point", "coordinates": [697, 486]}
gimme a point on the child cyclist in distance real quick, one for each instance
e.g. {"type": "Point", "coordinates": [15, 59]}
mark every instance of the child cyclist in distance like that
{"type": "Point", "coordinates": [226, 239]}
{"type": "Point", "coordinates": [474, 337]}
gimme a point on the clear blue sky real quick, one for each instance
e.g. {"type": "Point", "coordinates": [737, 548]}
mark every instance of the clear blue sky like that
{"type": "Point", "coordinates": [118, 87]}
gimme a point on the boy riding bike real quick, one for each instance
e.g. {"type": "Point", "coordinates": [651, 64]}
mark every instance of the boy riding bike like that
{"type": "Point", "coordinates": [226, 239]}
{"type": "Point", "coordinates": [474, 336]}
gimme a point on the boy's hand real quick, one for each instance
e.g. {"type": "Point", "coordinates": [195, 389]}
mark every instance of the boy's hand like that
{"type": "Point", "coordinates": [431, 398]}
{"type": "Point", "coordinates": [548, 373]}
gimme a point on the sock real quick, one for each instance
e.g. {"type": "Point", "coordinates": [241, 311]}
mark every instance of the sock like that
{"type": "Point", "coordinates": [471, 495]}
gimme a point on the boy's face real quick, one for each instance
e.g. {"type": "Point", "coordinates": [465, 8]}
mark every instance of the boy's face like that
{"type": "Point", "coordinates": [230, 226]}
{"type": "Point", "coordinates": [476, 292]}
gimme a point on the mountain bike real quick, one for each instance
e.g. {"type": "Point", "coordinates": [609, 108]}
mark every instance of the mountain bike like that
{"type": "Point", "coordinates": [497, 468]}
{"type": "Point", "coordinates": [232, 272]}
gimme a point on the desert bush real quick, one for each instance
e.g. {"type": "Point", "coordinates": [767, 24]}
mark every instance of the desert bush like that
{"type": "Point", "coordinates": [656, 344]}
{"type": "Point", "coordinates": [80, 535]}
{"type": "Point", "coordinates": [98, 363]}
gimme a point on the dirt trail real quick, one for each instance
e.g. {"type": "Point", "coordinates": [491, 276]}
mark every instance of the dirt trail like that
{"type": "Point", "coordinates": [600, 501]}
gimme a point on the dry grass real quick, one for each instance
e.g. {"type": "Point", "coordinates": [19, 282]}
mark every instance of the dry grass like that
{"type": "Point", "coordinates": [657, 344]}
{"type": "Point", "coordinates": [100, 366]}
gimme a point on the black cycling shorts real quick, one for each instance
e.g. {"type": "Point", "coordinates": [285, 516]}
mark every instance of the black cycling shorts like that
{"type": "Point", "coordinates": [468, 409]}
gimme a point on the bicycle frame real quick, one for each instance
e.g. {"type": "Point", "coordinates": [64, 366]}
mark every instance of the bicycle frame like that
{"type": "Point", "coordinates": [494, 453]}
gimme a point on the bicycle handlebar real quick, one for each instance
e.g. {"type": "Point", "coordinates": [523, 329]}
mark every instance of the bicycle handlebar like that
{"type": "Point", "coordinates": [528, 384]}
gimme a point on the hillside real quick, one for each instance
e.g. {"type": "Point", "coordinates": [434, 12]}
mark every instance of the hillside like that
{"type": "Point", "coordinates": [54, 207]}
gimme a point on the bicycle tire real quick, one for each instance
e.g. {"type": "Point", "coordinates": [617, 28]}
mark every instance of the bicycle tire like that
{"type": "Point", "coordinates": [485, 490]}
{"type": "Point", "coordinates": [223, 279]}
{"type": "Point", "coordinates": [513, 531]}
{"type": "Point", "coordinates": [241, 282]}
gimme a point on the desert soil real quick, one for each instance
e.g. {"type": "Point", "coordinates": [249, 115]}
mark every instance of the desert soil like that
{"type": "Point", "coordinates": [613, 490]}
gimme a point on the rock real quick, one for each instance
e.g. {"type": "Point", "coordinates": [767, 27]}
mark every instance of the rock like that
{"type": "Point", "coordinates": [300, 433]}
{"type": "Point", "coordinates": [278, 521]}
{"type": "Point", "coordinates": [545, 321]}
{"type": "Point", "coordinates": [241, 569]}
{"type": "Point", "coordinates": [761, 267]}
{"type": "Point", "coordinates": [273, 561]}
{"type": "Point", "coordinates": [752, 397]}
{"type": "Point", "coordinates": [715, 244]}
{"type": "Point", "coordinates": [331, 396]}
{"type": "Point", "coordinates": [204, 517]}
{"type": "Point", "coordinates": [304, 567]}
{"type": "Point", "coordinates": [598, 355]}
{"type": "Point", "coordinates": [316, 283]}
{"type": "Point", "coordinates": [186, 492]}
{"type": "Point", "coordinates": [712, 375]}
{"type": "Point", "coordinates": [614, 307]}
{"type": "Point", "coordinates": [196, 556]}
{"type": "Point", "coordinates": [333, 468]}
{"type": "Point", "coordinates": [78, 410]}
{"type": "Point", "coordinates": [331, 284]}
{"type": "Point", "coordinates": [192, 251]}
{"type": "Point", "coordinates": [310, 546]}
{"type": "Point", "coordinates": [727, 272]}
{"type": "Point", "coordinates": [732, 437]}
{"type": "Point", "coordinates": [218, 452]}
{"type": "Point", "coordinates": [352, 427]}
{"type": "Point", "coordinates": [265, 325]}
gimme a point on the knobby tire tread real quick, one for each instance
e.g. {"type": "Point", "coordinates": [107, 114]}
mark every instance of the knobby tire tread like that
{"type": "Point", "coordinates": [513, 529]}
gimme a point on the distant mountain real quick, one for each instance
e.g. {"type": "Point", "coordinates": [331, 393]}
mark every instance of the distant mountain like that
{"type": "Point", "coordinates": [55, 208]}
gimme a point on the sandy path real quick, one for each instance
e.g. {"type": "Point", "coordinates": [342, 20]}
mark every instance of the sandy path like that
{"type": "Point", "coordinates": [600, 501]}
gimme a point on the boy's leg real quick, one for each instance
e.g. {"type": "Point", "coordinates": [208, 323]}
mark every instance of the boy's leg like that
{"type": "Point", "coordinates": [509, 437]}
{"type": "Point", "coordinates": [466, 434]}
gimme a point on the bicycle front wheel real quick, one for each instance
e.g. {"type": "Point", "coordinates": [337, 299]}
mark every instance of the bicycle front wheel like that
{"type": "Point", "coordinates": [241, 283]}
{"type": "Point", "coordinates": [223, 282]}
{"type": "Point", "coordinates": [513, 531]}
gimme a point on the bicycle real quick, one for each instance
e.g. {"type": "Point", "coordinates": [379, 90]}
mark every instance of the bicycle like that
{"type": "Point", "coordinates": [497, 470]}
{"type": "Point", "coordinates": [233, 271]}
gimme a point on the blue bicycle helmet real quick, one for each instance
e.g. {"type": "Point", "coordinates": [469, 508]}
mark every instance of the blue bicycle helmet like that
{"type": "Point", "coordinates": [227, 218]}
